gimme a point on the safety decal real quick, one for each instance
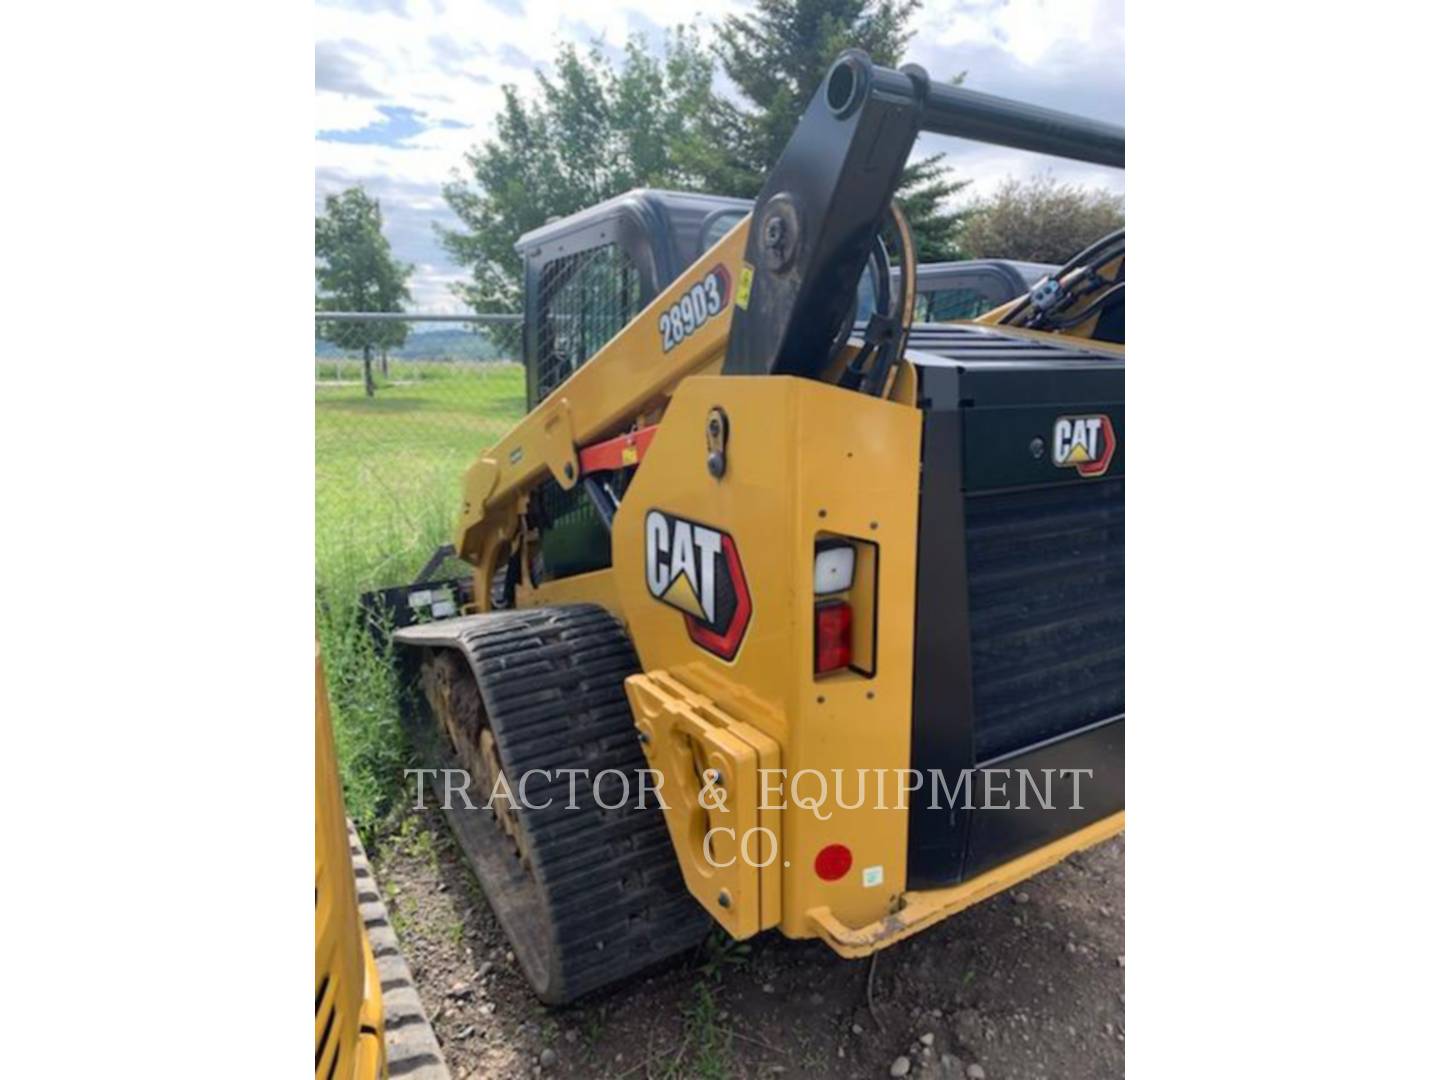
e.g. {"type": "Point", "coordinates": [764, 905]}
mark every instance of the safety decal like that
{"type": "Point", "coordinates": [706, 299]}
{"type": "Point", "coordinates": [696, 570]}
{"type": "Point", "coordinates": [742, 294]}
{"type": "Point", "coordinates": [1083, 443]}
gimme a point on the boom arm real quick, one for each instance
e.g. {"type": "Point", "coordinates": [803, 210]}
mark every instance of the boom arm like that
{"type": "Point", "coordinates": [824, 201]}
{"type": "Point", "coordinates": [602, 397]}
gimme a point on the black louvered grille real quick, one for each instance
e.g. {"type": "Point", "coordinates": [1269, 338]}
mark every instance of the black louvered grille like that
{"type": "Point", "coordinates": [323, 1043]}
{"type": "Point", "coordinates": [1047, 611]}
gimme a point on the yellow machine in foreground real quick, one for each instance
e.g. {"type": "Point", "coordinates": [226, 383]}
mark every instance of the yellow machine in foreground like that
{"type": "Point", "coordinates": [811, 578]}
{"type": "Point", "coordinates": [349, 1015]}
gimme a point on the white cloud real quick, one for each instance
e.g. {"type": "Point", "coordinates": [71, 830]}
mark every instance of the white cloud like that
{"type": "Point", "coordinates": [1028, 30]}
{"type": "Point", "coordinates": [447, 61]}
{"type": "Point", "coordinates": [431, 288]}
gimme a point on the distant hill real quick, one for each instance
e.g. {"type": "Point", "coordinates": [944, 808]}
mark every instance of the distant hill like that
{"type": "Point", "coordinates": [488, 343]}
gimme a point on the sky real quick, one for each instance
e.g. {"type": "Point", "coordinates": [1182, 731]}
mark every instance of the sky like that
{"type": "Point", "coordinates": [404, 87]}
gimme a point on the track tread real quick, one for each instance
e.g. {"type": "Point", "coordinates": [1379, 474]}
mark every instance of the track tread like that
{"type": "Point", "coordinates": [552, 684]}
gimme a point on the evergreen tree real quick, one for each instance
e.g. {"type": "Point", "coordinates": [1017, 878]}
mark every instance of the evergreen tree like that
{"type": "Point", "coordinates": [778, 55]}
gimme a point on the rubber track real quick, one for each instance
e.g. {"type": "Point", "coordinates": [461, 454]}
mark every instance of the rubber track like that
{"type": "Point", "coordinates": [552, 683]}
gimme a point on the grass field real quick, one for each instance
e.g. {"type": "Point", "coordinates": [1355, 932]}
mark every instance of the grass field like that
{"type": "Point", "coordinates": [387, 490]}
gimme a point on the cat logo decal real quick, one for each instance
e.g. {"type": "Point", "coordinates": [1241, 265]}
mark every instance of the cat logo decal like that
{"type": "Point", "coordinates": [696, 570]}
{"type": "Point", "coordinates": [1083, 443]}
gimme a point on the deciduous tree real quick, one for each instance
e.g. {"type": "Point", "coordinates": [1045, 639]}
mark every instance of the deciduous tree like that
{"type": "Point", "coordinates": [354, 271]}
{"type": "Point", "coordinates": [1041, 220]}
{"type": "Point", "coordinates": [591, 131]}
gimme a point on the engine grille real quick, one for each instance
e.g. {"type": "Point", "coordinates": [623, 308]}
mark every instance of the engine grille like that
{"type": "Point", "coordinates": [1046, 570]}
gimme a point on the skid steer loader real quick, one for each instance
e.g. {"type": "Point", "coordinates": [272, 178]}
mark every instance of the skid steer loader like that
{"type": "Point", "coordinates": [816, 588]}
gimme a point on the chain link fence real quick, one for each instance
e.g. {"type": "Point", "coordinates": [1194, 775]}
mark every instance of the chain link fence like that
{"type": "Point", "coordinates": [403, 404]}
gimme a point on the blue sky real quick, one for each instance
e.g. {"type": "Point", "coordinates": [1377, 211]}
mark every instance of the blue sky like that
{"type": "Point", "coordinates": [404, 87]}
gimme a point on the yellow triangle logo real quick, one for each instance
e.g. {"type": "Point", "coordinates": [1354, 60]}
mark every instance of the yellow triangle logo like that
{"type": "Point", "coordinates": [681, 594]}
{"type": "Point", "coordinates": [1077, 455]}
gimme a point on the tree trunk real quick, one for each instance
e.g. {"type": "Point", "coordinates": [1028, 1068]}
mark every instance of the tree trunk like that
{"type": "Point", "coordinates": [369, 378]}
{"type": "Point", "coordinates": [385, 363]}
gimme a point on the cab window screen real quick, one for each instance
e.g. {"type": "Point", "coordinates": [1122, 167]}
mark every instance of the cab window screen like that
{"type": "Point", "coordinates": [947, 305]}
{"type": "Point", "coordinates": [717, 227]}
{"type": "Point", "coordinates": [585, 300]}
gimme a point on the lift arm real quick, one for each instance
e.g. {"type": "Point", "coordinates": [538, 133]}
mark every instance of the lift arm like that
{"type": "Point", "coordinates": [824, 201]}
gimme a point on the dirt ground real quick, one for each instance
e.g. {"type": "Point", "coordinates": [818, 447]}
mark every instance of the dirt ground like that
{"type": "Point", "coordinates": [1029, 984]}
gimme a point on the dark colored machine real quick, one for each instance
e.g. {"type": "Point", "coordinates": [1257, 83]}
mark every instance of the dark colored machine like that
{"type": "Point", "coordinates": [1020, 628]}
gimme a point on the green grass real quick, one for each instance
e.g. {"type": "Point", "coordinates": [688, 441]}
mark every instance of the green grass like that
{"type": "Point", "coordinates": [721, 953]}
{"type": "Point", "coordinates": [388, 468]}
{"type": "Point", "coordinates": [706, 1048]}
{"type": "Point", "coordinates": [387, 491]}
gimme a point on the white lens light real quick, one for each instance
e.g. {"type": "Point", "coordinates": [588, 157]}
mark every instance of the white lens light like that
{"type": "Point", "coordinates": [834, 569]}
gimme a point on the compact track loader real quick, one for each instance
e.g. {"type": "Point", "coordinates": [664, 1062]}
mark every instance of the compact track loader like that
{"type": "Point", "coordinates": [830, 590]}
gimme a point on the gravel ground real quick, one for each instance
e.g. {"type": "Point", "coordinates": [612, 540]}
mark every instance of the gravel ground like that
{"type": "Point", "coordinates": [1029, 984]}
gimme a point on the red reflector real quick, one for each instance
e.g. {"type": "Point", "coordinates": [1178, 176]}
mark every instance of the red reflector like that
{"type": "Point", "coordinates": [833, 862]}
{"type": "Point", "coordinates": [832, 637]}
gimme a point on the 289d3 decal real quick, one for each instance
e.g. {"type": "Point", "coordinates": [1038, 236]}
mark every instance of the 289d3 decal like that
{"type": "Point", "coordinates": [706, 299]}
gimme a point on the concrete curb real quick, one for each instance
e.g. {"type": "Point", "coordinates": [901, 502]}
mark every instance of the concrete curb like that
{"type": "Point", "coordinates": [410, 1043]}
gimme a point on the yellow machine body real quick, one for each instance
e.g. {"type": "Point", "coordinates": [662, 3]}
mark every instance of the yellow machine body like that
{"type": "Point", "coordinates": [805, 460]}
{"type": "Point", "coordinates": [789, 500]}
{"type": "Point", "coordinates": [349, 1014]}
{"type": "Point", "coordinates": [762, 760]}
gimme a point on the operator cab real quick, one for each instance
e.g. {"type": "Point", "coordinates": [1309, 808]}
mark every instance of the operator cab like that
{"type": "Point", "coordinates": [949, 291]}
{"type": "Point", "coordinates": [588, 275]}
{"type": "Point", "coordinates": [954, 291]}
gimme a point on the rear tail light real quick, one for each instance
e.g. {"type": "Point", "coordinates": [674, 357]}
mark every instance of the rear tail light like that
{"type": "Point", "coordinates": [833, 621]}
